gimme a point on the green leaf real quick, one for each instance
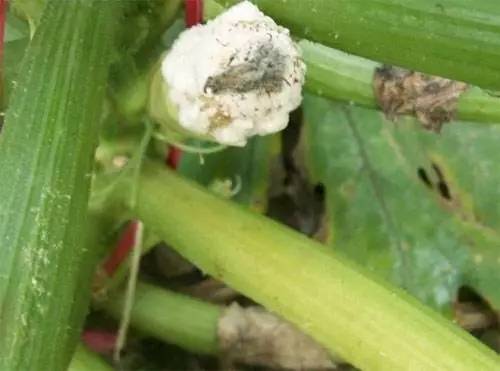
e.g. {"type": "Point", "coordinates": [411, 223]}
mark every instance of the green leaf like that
{"type": "Point", "coordinates": [243, 171]}
{"type": "Point", "coordinates": [46, 157]}
{"type": "Point", "coordinates": [13, 53]}
{"type": "Point", "coordinates": [16, 40]}
{"type": "Point", "coordinates": [467, 157]}
{"type": "Point", "coordinates": [382, 213]}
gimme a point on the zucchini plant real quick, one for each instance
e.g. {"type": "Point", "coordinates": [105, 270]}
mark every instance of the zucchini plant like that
{"type": "Point", "coordinates": [272, 109]}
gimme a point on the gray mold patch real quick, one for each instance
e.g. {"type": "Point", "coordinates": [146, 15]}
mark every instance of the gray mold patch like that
{"type": "Point", "coordinates": [263, 70]}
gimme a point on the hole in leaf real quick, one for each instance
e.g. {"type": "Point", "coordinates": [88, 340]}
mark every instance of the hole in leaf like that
{"type": "Point", "coordinates": [295, 201]}
{"type": "Point", "coordinates": [467, 293]}
{"type": "Point", "coordinates": [422, 174]}
{"type": "Point", "coordinates": [473, 312]}
{"type": "Point", "coordinates": [442, 185]}
{"type": "Point", "coordinates": [444, 191]}
{"type": "Point", "coordinates": [438, 171]}
{"type": "Point", "coordinates": [319, 191]}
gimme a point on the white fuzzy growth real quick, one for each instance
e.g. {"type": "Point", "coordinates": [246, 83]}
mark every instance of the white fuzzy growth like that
{"type": "Point", "coordinates": [237, 76]}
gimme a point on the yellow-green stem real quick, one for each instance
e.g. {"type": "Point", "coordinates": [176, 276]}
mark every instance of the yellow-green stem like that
{"type": "Point", "coordinates": [172, 317]}
{"type": "Point", "coordinates": [366, 321]}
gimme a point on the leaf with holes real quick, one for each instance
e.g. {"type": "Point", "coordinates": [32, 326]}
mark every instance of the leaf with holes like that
{"type": "Point", "coordinates": [241, 173]}
{"type": "Point", "coordinates": [413, 206]}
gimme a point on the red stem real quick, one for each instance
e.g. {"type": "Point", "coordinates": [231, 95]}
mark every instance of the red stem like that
{"type": "Point", "coordinates": [99, 341]}
{"type": "Point", "coordinates": [173, 157]}
{"type": "Point", "coordinates": [194, 12]}
{"type": "Point", "coordinates": [122, 249]}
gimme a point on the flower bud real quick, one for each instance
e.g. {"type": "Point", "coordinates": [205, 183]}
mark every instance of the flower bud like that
{"type": "Point", "coordinates": [237, 76]}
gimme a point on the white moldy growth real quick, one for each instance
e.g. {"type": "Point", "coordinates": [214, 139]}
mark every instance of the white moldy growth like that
{"type": "Point", "coordinates": [254, 336]}
{"type": "Point", "coordinates": [237, 76]}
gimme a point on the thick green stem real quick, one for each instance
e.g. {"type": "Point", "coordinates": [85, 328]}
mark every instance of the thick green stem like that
{"type": "Point", "coordinates": [451, 38]}
{"type": "Point", "coordinates": [338, 75]}
{"type": "Point", "coordinates": [367, 322]}
{"type": "Point", "coordinates": [46, 150]}
{"type": "Point", "coordinates": [341, 76]}
{"type": "Point", "coordinates": [174, 318]}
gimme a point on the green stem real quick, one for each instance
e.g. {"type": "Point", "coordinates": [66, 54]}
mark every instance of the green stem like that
{"type": "Point", "coordinates": [174, 318]}
{"type": "Point", "coordinates": [46, 152]}
{"type": "Point", "coordinates": [368, 323]}
{"type": "Point", "coordinates": [85, 360]}
{"type": "Point", "coordinates": [130, 291]}
{"type": "Point", "coordinates": [338, 75]}
{"type": "Point", "coordinates": [341, 76]}
{"type": "Point", "coordinates": [451, 38]}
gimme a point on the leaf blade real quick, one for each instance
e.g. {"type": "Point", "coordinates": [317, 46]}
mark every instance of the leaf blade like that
{"type": "Point", "coordinates": [46, 151]}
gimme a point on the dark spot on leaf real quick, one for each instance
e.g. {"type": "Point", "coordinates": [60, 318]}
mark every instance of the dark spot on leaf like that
{"type": "Point", "coordinates": [319, 191]}
{"type": "Point", "coordinates": [442, 185]}
{"type": "Point", "coordinates": [467, 293]}
{"type": "Point", "coordinates": [444, 191]}
{"type": "Point", "coordinates": [422, 174]}
{"type": "Point", "coordinates": [473, 312]}
{"type": "Point", "coordinates": [438, 171]}
{"type": "Point", "coordinates": [296, 201]}
{"type": "Point", "coordinates": [440, 7]}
